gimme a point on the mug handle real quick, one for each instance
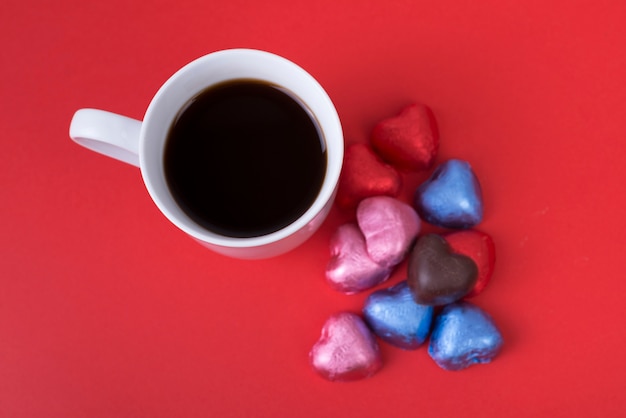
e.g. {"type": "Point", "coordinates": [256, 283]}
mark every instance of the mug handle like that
{"type": "Point", "coordinates": [107, 133]}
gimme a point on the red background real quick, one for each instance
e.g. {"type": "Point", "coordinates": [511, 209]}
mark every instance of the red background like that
{"type": "Point", "coordinates": [106, 310]}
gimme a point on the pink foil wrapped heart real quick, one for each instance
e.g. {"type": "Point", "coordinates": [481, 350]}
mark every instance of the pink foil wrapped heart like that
{"type": "Point", "coordinates": [350, 268]}
{"type": "Point", "coordinates": [346, 350]}
{"type": "Point", "coordinates": [389, 226]}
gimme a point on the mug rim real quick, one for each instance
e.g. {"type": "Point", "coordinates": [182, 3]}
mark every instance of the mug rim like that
{"type": "Point", "coordinates": [332, 136]}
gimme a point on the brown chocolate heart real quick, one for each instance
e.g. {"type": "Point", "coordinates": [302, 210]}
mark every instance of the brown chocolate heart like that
{"type": "Point", "coordinates": [436, 276]}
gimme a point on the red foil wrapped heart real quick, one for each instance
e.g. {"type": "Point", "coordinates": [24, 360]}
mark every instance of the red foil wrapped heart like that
{"type": "Point", "coordinates": [479, 247]}
{"type": "Point", "coordinates": [364, 175]}
{"type": "Point", "coordinates": [410, 140]}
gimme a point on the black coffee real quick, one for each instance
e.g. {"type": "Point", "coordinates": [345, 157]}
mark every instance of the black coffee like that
{"type": "Point", "coordinates": [244, 158]}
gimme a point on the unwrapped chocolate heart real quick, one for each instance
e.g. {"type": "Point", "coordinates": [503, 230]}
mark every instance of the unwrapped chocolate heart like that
{"type": "Point", "coordinates": [389, 226]}
{"type": "Point", "coordinates": [350, 268]}
{"type": "Point", "coordinates": [346, 350]}
{"type": "Point", "coordinates": [435, 275]}
{"type": "Point", "coordinates": [463, 335]}
{"type": "Point", "coordinates": [396, 318]}
{"type": "Point", "coordinates": [363, 175]}
{"type": "Point", "coordinates": [451, 197]}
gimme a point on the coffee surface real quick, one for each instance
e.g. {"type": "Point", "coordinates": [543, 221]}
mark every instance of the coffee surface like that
{"type": "Point", "coordinates": [244, 158]}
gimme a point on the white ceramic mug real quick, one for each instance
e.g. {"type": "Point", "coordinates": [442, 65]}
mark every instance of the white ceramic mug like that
{"type": "Point", "coordinates": [141, 143]}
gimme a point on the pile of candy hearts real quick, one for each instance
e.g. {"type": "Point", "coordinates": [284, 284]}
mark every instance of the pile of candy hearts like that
{"type": "Point", "coordinates": [442, 270]}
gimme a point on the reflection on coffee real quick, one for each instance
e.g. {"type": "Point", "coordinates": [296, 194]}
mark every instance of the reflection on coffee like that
{"type": "Point", "coordinates": [244, 158]}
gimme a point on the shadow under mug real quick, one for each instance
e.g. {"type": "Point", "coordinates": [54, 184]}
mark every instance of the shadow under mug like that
{"type": "Point", "coordinates": [142, 143]}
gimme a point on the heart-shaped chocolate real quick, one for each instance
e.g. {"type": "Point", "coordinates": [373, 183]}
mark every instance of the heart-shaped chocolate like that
{"type": "Point", "coordinates": [363, 175]}
{"type": "Point", "coordinates": [350, 268]}
{"type": "Point", "coordinates": [408, 140]}
{"type": "Point", "coordinates": [463, 335]}
{"type": "Point", "coordinates": [394, 316]}
{"type": "Point", "coordinates": [389, 226]}
{"type": "Point", "coordinates": [435, 275]}
{"type": "Point", "coordinates": [346, 350]}
{"type": "Point", "coordinates": [451, 197]}
{"type": "Point", "coordinates": [479, 247]}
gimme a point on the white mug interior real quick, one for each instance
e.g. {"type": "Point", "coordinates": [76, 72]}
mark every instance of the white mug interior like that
{"type": "Point", "coordinates": [213, 69]}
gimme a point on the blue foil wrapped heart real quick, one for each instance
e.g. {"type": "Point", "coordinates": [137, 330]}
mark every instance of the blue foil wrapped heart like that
{"type": "Point", "coordinates": [395, 318]}
{"type": "Point", "coordinates": [463, 335]}
{"type": "Point", "coordinates": [451, 197]}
